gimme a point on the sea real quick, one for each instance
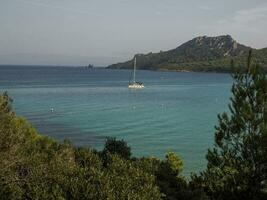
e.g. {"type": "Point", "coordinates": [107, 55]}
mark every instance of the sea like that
{"type": "Point", "coordinates": [176, 111]}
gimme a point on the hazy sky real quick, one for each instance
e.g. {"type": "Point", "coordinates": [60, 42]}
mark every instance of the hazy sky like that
{"type": "Point", "coordinates": [78, 32]}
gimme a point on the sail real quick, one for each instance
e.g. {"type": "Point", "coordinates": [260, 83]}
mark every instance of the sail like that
{"type": "Point", "coordinates": [134, 69]}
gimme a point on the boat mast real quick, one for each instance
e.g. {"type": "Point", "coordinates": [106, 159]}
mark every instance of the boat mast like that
{"type": "Point", "coordinates": [134, 69]}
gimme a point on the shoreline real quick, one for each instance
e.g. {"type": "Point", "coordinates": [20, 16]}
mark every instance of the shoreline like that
{"type": "Point", "coordinates": [175, 70]}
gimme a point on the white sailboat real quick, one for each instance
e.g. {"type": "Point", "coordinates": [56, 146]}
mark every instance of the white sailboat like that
{"type": "Point", "coordinates": [134, 84]}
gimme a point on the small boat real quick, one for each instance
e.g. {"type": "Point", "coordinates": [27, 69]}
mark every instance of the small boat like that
{"type": "Point", "coordinates": [134, 84]}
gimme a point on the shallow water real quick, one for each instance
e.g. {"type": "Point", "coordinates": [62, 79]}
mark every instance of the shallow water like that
{"type": "Point", "coordinates": [175, 111]}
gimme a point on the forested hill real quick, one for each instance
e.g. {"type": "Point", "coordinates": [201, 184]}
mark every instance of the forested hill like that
{"type": "Point", "coordinates": [199, 54]}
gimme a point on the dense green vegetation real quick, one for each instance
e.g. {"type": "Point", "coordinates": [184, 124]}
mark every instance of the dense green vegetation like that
{"type": "Point", "coordinates": [198, 54]}
{"type": "Point", "coordinates": [237, 165]}
{"type": "Point", "coordinates": [37, 167]}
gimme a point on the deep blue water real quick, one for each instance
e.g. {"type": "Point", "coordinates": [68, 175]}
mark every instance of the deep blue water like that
{"type": "Point", "coordinates": [176, 111]}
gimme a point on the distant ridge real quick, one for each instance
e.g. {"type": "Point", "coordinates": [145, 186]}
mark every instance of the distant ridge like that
{"type": "Point", "coordinates": [199, 54]}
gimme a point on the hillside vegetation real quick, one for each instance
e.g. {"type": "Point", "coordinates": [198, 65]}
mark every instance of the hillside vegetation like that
{"type": "Point", "coordinates": [199, 54]}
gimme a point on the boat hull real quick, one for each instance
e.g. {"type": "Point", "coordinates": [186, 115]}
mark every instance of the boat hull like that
{"type": "Point", "coordinates": [136, 86]}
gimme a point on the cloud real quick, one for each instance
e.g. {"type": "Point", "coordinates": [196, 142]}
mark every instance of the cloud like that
{"type": "Point", "coordinates": [55, 5]}
{"type": "Point", "coordinates": [249, 26]}
{"type": "Point", "coordinates": [158, 12]}
{"type": "Point", "coordinates": [249, 20]}
{"type": "Point", "coordinates": [205, 7]}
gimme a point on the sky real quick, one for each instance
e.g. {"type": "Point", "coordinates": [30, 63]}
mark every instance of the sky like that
{"type": "Point", "coordinates": [103, 32]}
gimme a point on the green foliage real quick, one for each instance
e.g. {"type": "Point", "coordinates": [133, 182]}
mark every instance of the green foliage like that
{"type": "Point", "coordinates": [129, 181]}
{"type": "Point", "coordinates": [174, 162]}
{"type": "Point", "coordinates": [37, 167]}
{"type": "Point", "coordinates": [5, 103]}
{"type": "Point", "coordinates": [118, 147]}
{"type": "Point", "coordinates": [168, 177]}
{"type": "Point", "coordinates": [237, 164]}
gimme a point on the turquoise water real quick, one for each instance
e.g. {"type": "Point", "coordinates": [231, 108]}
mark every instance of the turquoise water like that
{"type": "Point", "coordinates": [176, 111]}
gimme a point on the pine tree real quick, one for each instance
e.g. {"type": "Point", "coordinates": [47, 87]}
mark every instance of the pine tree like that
{"type": "Point", "coordinates": [237, 165]}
